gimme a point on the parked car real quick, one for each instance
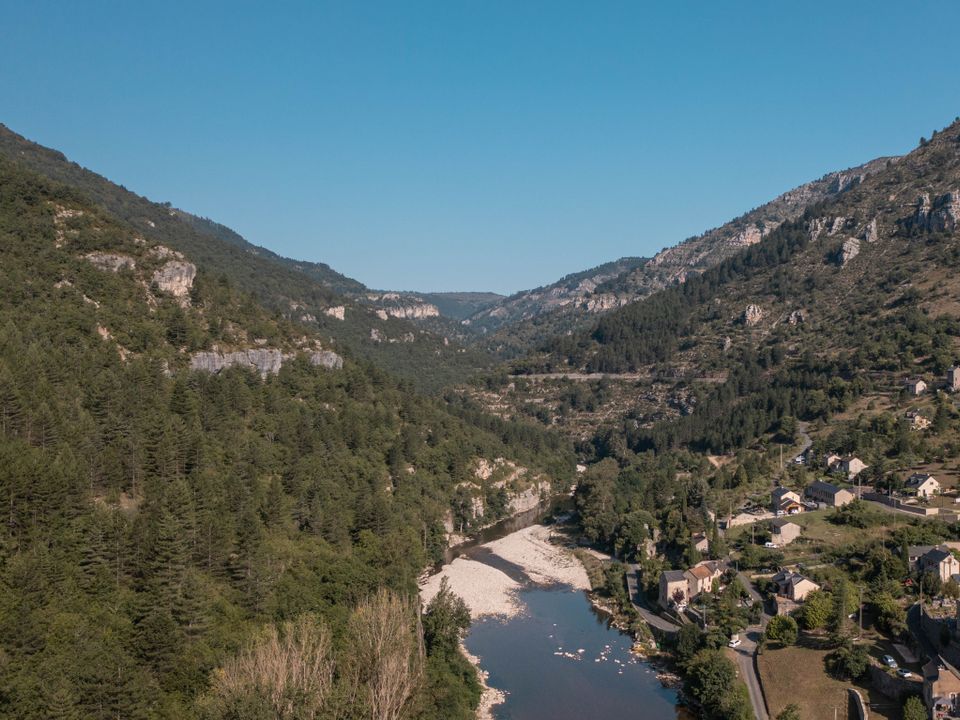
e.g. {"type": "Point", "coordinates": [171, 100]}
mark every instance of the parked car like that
{"type": "Point", "coordinates": [904, 673]}
{"type": "Point", "coordinates": [735, 641]}
{"type": "Point", "coordinates": [889, 661]}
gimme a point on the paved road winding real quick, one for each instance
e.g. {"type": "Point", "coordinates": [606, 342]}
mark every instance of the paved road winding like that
{"type": "Point", "coordinates": [746, 653]}
{"type": "Point", "coordinates": [651, 618]}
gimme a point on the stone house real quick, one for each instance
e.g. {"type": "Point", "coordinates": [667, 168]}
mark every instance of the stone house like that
{"type": "Point", "coordinates": [953, 379]}
{"type": "Point", "coordinates": [851, 466]}
{"type": "Point", "coordinates": [941, 689]}
{"type": "Point", "coordinates": [830, 460]}
{"type": "Point", "coordinates": [783, 532]}
{"type": "Point", "coordinates": [701, 576]}
{"type": "Point", "coordinates": [921, 485]}
{"type": "Point", "coordinates": [829, 494]}
{"type": "Point", "coordinates": [915, 386]}
{"type": "Point", "coordinates": [701, 542]}
{"type": "Point", "coordinates": [785, 502]}
{"type": "Point", "coordinates": [673, 583]}
{"type": "Point", "coordinates": [941, 561]}
{"type": "Point", "coordinates": [689, 583]}
{"type": "Point", "coordinates": [794, 586]}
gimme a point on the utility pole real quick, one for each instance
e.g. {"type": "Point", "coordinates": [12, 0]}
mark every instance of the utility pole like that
{"type": "Point", "coordinates": [860, 616]}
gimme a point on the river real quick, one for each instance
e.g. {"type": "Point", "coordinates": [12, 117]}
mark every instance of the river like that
{"type": "Point", "coordinates": [557, 658]}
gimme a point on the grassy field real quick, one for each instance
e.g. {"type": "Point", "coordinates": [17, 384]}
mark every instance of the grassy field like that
{"type": "Point", "coordinates": [796, 675]}
{"type": "Point", "coordinates": [819, 532]}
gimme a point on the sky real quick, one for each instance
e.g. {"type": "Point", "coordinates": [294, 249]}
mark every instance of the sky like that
{"type": "Point", "coordinates": [483, 145]}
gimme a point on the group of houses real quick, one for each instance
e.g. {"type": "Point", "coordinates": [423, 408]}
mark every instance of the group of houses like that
{"type": "Point", "coordinates": [679, 587]}
{"type": "Point", "coordinates": [784, 501]}
{"type": "Point", "coordinates": [917, 386]}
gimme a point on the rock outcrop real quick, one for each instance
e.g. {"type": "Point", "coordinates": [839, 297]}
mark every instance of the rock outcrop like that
{"type": "Point", "coordinates": [327, 359]}
{"type": "Point", "coordinates": [603, 302]}
{"type": "Point", "coordinates": [338, 312]}
{"type": "Point", "coordinates": [750, 235]}
{"type": "Point", "coordinates": [176, 278]}
{"type": "Point", "coordinates": [110, 262]}
{"type": "Point", "coordinates": [752, 315]}
{"type": "Point", "coordinates": [411, 312]}
{"type": "Point", "coordinates": [797, 317]}
{"type": "Point", "coordinates": [266, 361]}
{"type": "Point", "coordinates": [848, 251]}
{"type": "Point", "coordinates": [871, 233]}
{"type": "Point", "coordinates": [942, 214]}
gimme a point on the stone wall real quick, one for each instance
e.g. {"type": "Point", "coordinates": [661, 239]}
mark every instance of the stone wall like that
{"type": "Point", "coordinates": [893, 686]}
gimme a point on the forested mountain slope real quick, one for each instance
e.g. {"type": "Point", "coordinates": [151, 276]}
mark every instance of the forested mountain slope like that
{"type": "Point", "coordinates": [183, 472]}
{"type": "Point", "coordinates": [526, 320]}
{"type": "Point", "coordinates": [859, 292]}
{"type": "Point", "coordinates": [309, 293]}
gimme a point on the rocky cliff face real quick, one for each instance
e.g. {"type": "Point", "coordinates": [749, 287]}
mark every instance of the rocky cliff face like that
{"type": "Point", "coordinates": [327, 359]}
{"type": "Point", "coordinates": [111, 262]}
{"type": "Point", "coordinates": [176, 278]}
{"type": "Point", "coordinates": [942, 214]}
{"type": "Point", "coordinates": [403, 306]}
{"type": "Point", "coordinates": [266, 361]}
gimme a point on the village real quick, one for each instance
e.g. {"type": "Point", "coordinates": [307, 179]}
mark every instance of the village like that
{"type": "Point", "coordinates": [782, 584]}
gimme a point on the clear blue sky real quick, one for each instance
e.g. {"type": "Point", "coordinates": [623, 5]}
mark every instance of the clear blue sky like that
{"type": "Point", "coordinates": [474, 145]}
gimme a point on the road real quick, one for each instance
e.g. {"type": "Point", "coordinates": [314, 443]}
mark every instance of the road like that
{"type": "Point", "coordinates": [804, 437]}
{"type": "Point", "coordinates": [746, 653]}
{"type": "Point", "coordinates": [651, 618]}
{"type": "Point", "coordinates": [748, 669]}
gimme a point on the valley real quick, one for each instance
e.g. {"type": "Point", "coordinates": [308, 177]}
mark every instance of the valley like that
{"type": "Point", "coordinates": [215, 455]}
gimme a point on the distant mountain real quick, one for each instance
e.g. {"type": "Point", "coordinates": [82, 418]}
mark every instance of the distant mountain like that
{"type": "Point", "coordinates": [461, 305]}
{"type": "Point", "coordinates": [311, 294]}
{"type": "Point", "coordinates": [516, 323]}
{"type": "Point", "coordinates": [525, 320]}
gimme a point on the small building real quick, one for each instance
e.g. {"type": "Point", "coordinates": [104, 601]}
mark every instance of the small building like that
{"type": "Point", "coordinates": [828, 494]}
{"type": "Point", "coordinates": [953, 379]}
{"type": "Point", "coordinates": [917, 420]}
{"type": "Point", "coordinates": [783, 532]}
{"type": "Point", "coordinates": [701, 576]}
{"type": "Point", "coordinates": [915, 386]}
{"type": "Point", "coordinates": [941, 689]}
{"type": "Point", "coordinates": [941, 561]}
{"type": "Point", "coordinates": [851, 466]}
{"type": "Point", "coordinates": [701, 542]}
{"type": "Point", "coordinates": [830, 460]}
{"type": "Point", "coordinates": [921, 485]}
{"type": "Point", "coordinates": [794, 586]}
{"type": "Point", "coordinates": [785, 502]}
{"type": "Point", "coordinates": [673, 588]}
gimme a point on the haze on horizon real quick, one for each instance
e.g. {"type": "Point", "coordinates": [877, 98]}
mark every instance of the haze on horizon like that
{"type": "Point", "coordinates": [438, 146]}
